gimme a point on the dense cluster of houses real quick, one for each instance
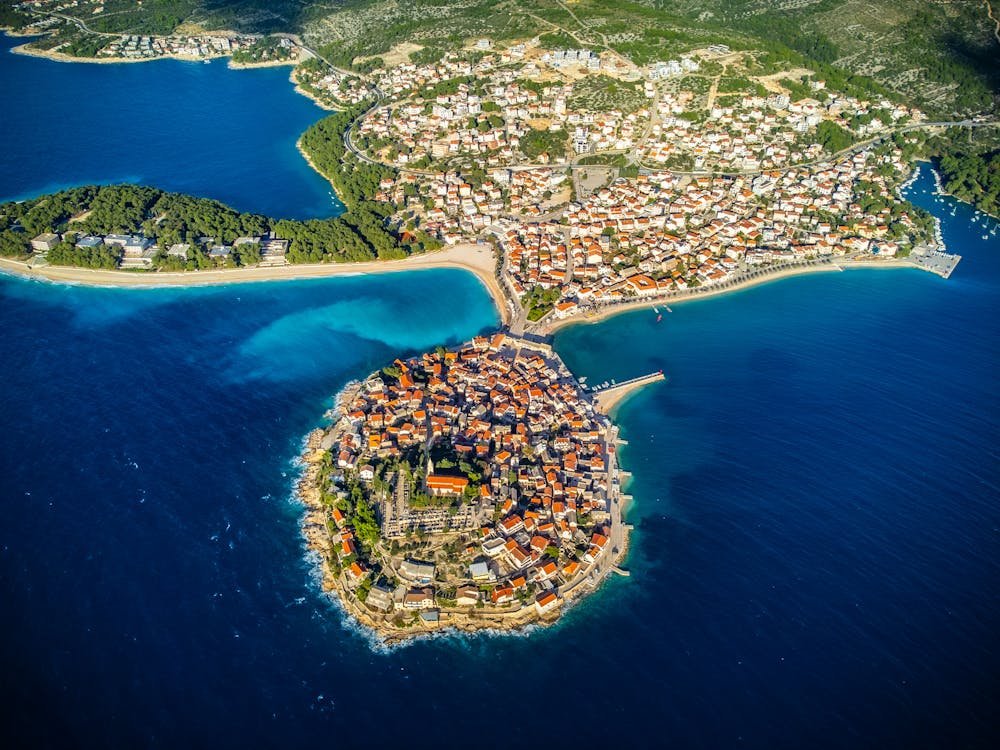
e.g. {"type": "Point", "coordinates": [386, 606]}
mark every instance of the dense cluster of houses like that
{"type": "Point", "coordinates": [452, 209]}
{"type": "Point", "coordinates": [138, 47]}
{"type": "Point", "coordinates": [661, 233]}
{"type": "Point", "coordinates": [449, 124]}
{"type": "Point", "coordinates": [512, 407]}
{"type": "Point", "coordinates": [332, 87]}
{"type": "Point", "coordinates": [501, 97]}
{"type": "Point", "coordinates": [756, 132]}
{"type": "Point", "coordinates": [654, 234]}
{"type": "Point", "coordinates": [488, 119]}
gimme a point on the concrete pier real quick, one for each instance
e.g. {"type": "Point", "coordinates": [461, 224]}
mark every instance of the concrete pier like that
{"type": "Point", "coordinates": [939, 262]}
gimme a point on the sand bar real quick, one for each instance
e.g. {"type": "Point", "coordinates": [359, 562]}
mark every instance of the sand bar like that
{"type": "Point", "coordinates": [477, 259]}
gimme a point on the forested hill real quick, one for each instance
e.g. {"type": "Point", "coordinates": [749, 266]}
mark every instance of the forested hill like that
{"type": "Point", "coordinates": [973, 177]}
{"type": "Point", "coordinates": [199, 224]}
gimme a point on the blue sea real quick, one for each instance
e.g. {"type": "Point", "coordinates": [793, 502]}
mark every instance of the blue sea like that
{"type": "Point", "coordinates": [815, 561]}
{"type": "Point", "coordinates": [190, 127]}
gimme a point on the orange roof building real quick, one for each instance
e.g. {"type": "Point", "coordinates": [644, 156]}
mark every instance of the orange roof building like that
{"type": "Point", "coordinates": [439, 485]}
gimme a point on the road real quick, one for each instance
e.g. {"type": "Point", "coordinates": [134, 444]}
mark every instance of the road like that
{"type": "Point", "coordinates": [994, 19]}
{"type": "Point", "coordinates": [601, 568]}
{"type": "Point", "coordinates": [837, 156]}
{"type": "Point", "coordinates": [379, 98]}
{"type": "Point", "coordinates": [81, 24]}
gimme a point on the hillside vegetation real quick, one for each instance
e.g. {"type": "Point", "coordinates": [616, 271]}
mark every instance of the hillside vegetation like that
{"type": "Point", "coordinates": [941, 56]}
{"type": "Point", "coordinates": [938, 54]}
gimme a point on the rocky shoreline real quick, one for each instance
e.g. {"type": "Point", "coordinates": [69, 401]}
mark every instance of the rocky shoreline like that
{"type": "Point", "coordinates": [301, 90]}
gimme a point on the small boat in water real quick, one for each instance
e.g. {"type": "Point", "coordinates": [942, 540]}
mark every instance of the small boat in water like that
{"type": "Point", "coordinates": [660, 317]}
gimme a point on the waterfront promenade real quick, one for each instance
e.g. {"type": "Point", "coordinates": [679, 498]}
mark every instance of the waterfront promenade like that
{"type": "Point", "coordinates": [937, 262]}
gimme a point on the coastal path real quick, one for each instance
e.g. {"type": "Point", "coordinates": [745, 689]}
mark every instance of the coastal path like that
{"type": "Point", "coordinates": [745, 278]}
{"type": "Point", "coordinates": [994, 19]}
{"type": "Point", "coordinates": [607, 563]}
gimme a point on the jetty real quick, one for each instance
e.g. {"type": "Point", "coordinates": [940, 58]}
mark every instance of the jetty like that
{"type": "Point", "coordinates": [607, 397]}
{"type": "Point", "coordinates": [935, 260]}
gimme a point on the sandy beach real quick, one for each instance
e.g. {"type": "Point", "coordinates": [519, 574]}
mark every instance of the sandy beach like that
{"type": "Point", "coordinates": [477, 259]}
{"type": "Point", "coordinates": [608, 312]}
{"type": "Point", "coordinates": [775, 275]}
{"type": "Point", "coordinates": [608, 401]}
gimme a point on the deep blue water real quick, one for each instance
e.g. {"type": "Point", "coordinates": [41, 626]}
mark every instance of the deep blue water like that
{"type": "Point", "coordinates": [152, 576]}
{"type": "Point", "coordinates": [189, 127]}
{"type": "Point", "coordinates": [815, 562]}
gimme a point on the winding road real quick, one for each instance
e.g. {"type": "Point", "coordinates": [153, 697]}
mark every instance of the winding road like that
{"type": "Point", "coordinates": [994, 19]}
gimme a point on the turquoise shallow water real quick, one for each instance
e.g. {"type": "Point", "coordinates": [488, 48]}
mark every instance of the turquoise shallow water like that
{"type": "Point", "coordinates": [189, 127]}
{"type": "Point", "coordinates": [815, 561]}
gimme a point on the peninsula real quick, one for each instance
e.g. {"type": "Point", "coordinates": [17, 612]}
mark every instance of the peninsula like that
{"type": "Point", "coordinates": [578, 177]}
{"type": "Point", "coordinates": [466, 489]}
